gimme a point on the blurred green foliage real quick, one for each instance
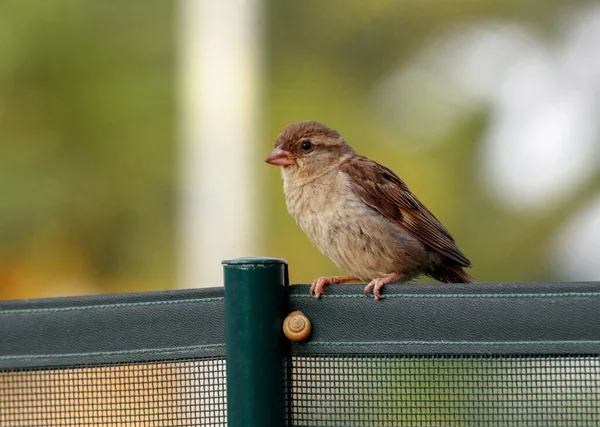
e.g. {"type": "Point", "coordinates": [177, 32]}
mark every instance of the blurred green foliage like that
{"type": "Point", "coordinates": [87, 147]}
{"type": "Point", "coordinates": [88, 138]}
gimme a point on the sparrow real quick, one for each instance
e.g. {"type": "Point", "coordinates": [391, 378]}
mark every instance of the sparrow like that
{"type": "Point", "coordinates": [360, 214]}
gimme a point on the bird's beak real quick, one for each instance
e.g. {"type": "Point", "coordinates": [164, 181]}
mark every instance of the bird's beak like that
{"type": "Point", "coordinates": [280, 157]}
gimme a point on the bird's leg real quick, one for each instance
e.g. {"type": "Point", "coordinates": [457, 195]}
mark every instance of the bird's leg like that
{"type": "Point", "coordinates": [377, 284]}
{"type": "Point", "coordinates": [317, 286]}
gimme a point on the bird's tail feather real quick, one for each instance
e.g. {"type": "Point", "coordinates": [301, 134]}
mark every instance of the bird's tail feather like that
{"type": "Point", "coordinates": [452, 275]}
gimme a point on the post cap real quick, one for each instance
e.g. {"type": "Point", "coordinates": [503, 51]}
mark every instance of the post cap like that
{"type": "Point", "coordinates": [253, 260]}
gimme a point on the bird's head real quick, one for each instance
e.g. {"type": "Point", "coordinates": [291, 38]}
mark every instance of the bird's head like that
{"type": "Point", "coordinates": [305, 149]}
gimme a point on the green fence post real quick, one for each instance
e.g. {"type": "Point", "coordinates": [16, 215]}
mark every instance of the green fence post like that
{"type": "Point", "coordinates": [254, 313]}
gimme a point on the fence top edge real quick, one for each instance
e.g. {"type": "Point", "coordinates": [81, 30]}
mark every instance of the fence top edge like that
{"type": "Point", "coordinates": [253, 261]}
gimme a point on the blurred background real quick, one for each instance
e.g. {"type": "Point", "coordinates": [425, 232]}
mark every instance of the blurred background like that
{"type": "Point", "coordinates": [132, 134]}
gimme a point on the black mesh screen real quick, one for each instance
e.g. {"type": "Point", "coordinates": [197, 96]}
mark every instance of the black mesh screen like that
{"type": "Point", "coordinates": [399, 390]}
{"type": "Point", "coordinates": [187, 392]}
{"type": "Point", "coordinates": [342, 390]}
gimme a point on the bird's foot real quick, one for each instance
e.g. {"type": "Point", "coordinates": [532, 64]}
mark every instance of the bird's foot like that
{"type": "Point", "coordinates": [377, 284]}
{"type": "Point", "coordinates": [316, 289]}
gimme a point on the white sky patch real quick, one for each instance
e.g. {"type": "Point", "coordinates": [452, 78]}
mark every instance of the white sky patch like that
{"type": "Point", "coordinates": [535, 159]}
{"type": "Point", "coordinates": [576, 250]}
{"type": "Point", "coordinates": [544, 133]}
{"type": "Point", "coordinates": [454, 77]}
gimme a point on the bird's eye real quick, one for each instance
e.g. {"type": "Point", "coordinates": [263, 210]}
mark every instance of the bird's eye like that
{"type": "Point", "coordinates": [307, 145]}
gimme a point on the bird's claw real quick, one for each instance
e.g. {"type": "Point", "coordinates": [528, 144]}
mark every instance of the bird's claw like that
{"type": "Point", "coordinates": [376, 285]}
{"type": "Point", "coordinates": [317, 287]}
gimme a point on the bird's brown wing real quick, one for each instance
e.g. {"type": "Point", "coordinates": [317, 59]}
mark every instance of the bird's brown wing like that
{"type": "Point", "coordinates": [384, 191]}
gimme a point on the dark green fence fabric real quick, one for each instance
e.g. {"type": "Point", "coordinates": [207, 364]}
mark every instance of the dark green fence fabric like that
{"type": "Point", "coordinates": [112, 328]}
{"type": "Point", "coordinates": [151, 359]}
{"type": "Point", "coordinates": [499, 355]}
{"type": "Point", "coordinates": [525, 318]}
{"type": "Point", "coordinates": [426, 355]}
